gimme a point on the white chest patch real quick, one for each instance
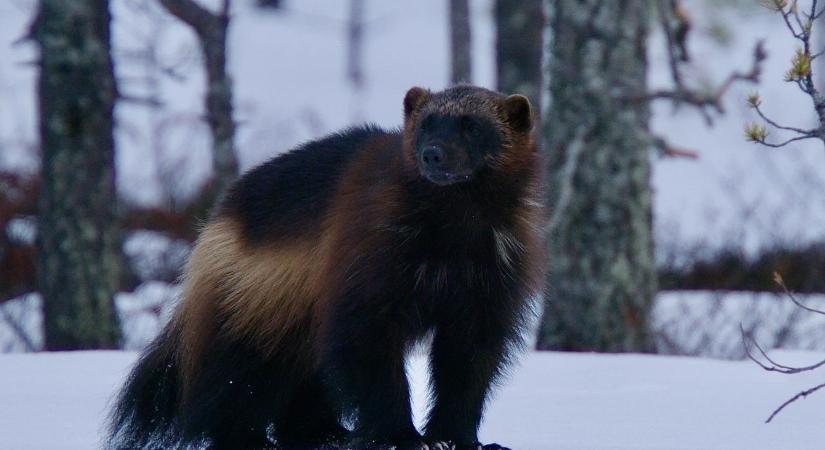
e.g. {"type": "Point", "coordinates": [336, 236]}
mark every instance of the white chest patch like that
{"type": "Point", "coordinates": [507, 246]}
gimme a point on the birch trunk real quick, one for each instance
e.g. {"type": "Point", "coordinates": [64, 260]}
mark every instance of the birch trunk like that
{"type": "Point", "coordinates": [601, 280]}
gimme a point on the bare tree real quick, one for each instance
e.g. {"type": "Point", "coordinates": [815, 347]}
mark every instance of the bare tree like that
{"type": "Point", "coordinates": [79, 258]}
{"type": "Point", "coordinates": [355, 50]}
{"type": "Point", "coordinates": [602, 277]}
{"type": "Point", "coordinates": [461, 63]}
{"type": "Point", "coordinates": [211, 29]}
{"type": "Point", "coordinates": [519, 26]}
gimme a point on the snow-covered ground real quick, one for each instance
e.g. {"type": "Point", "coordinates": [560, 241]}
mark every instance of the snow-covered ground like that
{"type": "Point", "coordinates": [289, 72]}
{"type": "Point", "coordinates": [52, 401]}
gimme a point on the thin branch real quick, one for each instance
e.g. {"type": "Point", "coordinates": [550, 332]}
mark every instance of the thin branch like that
{"type": "Point", "coordinates": [781, 127]}
{"type": "Point", "coordinates": [747, 338]}
{"type": "Point", "coordinates": [777, 278]}
{"type": "Point", "coordinates": [143, 101]}
{"type": "Point", "coordinates": [18, 330]}
{"type": "Point", "coordinates": [713, 100]}
{"type": "Point", "coordinates": [666, 149]}
{"type": "Point", "coordinates": [800, 73]}
{"type": "Point", "coordinates": [664, 18]}
{"type": "Point", "coordinates": [784, 143]}
{"type": "Point", "coordinates": [796, 397]}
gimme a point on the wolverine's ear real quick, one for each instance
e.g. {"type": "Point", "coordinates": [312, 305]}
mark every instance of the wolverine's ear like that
{"type": "Point", "coordinates": [415, 97]}
{"type": "Point", "coordinates": [518, 112]}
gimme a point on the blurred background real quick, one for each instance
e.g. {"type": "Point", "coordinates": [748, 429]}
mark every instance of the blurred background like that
{"type": "Point", "coordinates": [667, 221]}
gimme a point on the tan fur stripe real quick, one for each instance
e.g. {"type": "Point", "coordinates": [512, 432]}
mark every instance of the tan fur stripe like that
{"type": "Point", "coordinates": [259, 292]}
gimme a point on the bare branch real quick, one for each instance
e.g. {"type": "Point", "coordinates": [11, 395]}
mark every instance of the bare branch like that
{"type": "Point", "coordinates": [747, 338]}
{"type": "Point", "coordinates": [777, 278]}
{"type": "Point", "coordinates": [681, 94]}
{"type": "Point", "coordinates": [781, 127]}
{"type": "Point", "coordinates": [796, 397]}
{"type": "Point", "coordinates": [785, 142]}
{"type": "Point", "coordinates": [18, 330]}
{"type": "Point", "coordinates": [666, 149]}
{"type": "Point", "coordinates": [801, 71]}
{"type": "Point", "coordinates": [145, 101]}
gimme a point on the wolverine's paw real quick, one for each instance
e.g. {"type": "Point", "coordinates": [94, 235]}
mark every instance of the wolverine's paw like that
{"type": "Point", "coordinates": [440, 445]}
{"type": "Point", "coordinates": [411, 444]}
{"type": "Point", "coordinates": [417, 444]}
{"type": "Point", "coordinates": [480, 446]}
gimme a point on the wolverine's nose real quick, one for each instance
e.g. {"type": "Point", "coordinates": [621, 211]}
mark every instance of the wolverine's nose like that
{"type": "Point", "coordinates": [432, 157]}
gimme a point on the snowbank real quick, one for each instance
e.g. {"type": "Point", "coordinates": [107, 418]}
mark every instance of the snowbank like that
{"type": "Point", "coordinates": [553, 401]}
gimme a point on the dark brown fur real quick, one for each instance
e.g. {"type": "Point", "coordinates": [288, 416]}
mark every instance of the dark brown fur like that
{"type": "Point", "coordinates": [323, 297]}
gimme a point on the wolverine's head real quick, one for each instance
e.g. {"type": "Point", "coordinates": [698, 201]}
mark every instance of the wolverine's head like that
{"type": "Point", "coordinates": [454, 134]}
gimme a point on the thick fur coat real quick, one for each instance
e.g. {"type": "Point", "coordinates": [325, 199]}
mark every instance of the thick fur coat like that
{"type": "Point", "coordinates": [322, 267]}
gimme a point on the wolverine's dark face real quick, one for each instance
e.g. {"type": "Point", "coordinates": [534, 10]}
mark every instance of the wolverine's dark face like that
{"type": "Point", "coordinates": [450, 148]}
{"type": "Point", "coordinates": [456, 133]}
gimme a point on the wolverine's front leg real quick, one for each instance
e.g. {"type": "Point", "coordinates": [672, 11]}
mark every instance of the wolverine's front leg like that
{"type": "Point", "coordinates": [364, 350]}
{"type": "Point", "coordinates": [466, 358]}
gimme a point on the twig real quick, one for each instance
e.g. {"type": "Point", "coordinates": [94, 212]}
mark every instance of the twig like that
{"type": "Point", "coordinates": [796, 397]}
{"type": "Point", "coordinates": [18, 330]}
{"type": "Point", "coordinates": [777, 278]}
{"type": "Point", "coordinates": [756, 107]}
{"type": "Point", "coordinates": [747, 339]}
{"type": "Point", "coordinates": [682, 94]}
{"type": "Point", "coordinates": [775, 366]}
{"type": "Point", "coordinates": [800, 73]}
{"type": "Point", "coordinates": [783, 143]}
{"type": "Point", "coordinates": [666, 149]}
{"type": "Point", "coordinates": [145, 101]}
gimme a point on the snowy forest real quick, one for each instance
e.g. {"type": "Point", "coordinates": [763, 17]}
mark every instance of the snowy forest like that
{"type": "Point", "coordinates": [683, 162]}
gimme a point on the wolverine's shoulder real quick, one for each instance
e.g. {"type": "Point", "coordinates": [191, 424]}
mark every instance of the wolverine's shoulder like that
{"type": "Point", "coordinates": [289, 194]}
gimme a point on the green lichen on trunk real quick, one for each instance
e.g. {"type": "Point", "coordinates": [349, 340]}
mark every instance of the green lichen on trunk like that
{"type": "Point", "coordinates": [79, 261]}
{"type": "Point", "coordinates": [601, 279]}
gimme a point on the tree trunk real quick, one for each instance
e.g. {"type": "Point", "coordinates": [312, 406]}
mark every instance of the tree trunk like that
{"type": "Point", "coordinates": [78, 242]}
{"type": "Point", "coordinates": [519, 30]}
{"type": "Point", "coordinates": [601, 270]}
{"type": "Point", "coordinates": [355, 63]}
{"type": "Point", "coordinates": [461, 67]}
{"type": "Point", "coordinates": [211, 30]}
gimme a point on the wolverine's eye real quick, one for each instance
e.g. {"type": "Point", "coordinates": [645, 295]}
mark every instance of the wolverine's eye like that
{"type": "Point", "coordinates": [427, 123]}
{"type": "Point", "coordinates": [469, 126]}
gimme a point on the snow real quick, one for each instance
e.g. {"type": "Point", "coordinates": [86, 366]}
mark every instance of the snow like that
{"type": "Point", "coordinates": [707, 323]}
{"type": "Point", "coordinates": [552, 401]}
{"type": "Point", "coordinates": [290, 86]}
{"type": "Point", "coordinates": [142, 313]}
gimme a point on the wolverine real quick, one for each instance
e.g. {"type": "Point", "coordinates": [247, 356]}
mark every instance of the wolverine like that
{"type": "Point", "coordinates": [318, 272]}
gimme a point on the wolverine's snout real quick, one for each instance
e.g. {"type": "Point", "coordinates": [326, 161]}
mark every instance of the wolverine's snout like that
{"type": "Point", "coordinates": [442, 166]}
